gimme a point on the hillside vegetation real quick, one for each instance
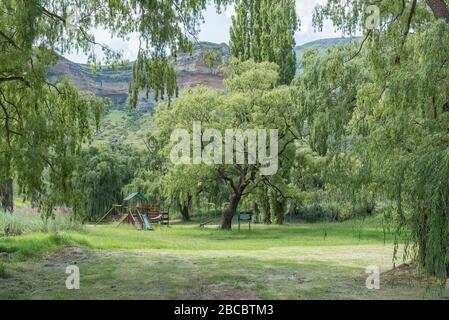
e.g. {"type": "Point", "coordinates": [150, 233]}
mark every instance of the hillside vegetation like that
{"type": "Point", "coordinates": [119, 125]}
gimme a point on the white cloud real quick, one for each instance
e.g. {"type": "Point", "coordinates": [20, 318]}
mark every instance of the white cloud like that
{"type": "Point", "coordinates": [305, 9]}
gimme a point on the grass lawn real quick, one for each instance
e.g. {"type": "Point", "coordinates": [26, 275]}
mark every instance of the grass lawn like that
{"type": "Point", "coordinates": [312, 261]}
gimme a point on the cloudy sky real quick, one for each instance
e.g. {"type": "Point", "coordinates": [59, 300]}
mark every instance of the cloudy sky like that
{"type": "Point", "coordinates": [216, 29]}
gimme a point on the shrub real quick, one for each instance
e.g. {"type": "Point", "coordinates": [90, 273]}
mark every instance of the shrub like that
{"type": "Point", "coordinates": [313, 213]}
{"type": "Point", "coordinates": [340, 212]}
{"type": "Point", "coordinates": [346, 211]}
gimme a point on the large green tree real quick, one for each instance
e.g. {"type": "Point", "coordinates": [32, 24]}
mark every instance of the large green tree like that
{"type": "Point", "coordinates": [386, 111]}
{"type": "Point", "coordinates": [101, 175]}
{"type": "Point", "coordinates": [43, 125]}
{"type": "Point", "coordinates": [264, 30]}
{"type": "Point", "coordinates": [251, 100]}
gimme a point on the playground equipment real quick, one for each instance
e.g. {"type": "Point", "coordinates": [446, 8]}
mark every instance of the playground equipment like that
{"type": "Point", "coordinates": [147, 222]}
{"type": "Point", "coordinates": [116, 207]}
{"type": "Point", "coordinates": [138, 212]}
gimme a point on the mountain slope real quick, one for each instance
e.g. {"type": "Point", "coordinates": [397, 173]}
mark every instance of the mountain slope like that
{"type": "Point", "coordinates": [322, 44]}
{"type": "Point", "coordinates": [114, 83]}
{"type": "Point", "coordinates": [119, 125]}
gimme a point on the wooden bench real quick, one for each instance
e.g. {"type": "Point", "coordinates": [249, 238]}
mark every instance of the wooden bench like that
{"type": "Point", "coordinates": [155, 217]}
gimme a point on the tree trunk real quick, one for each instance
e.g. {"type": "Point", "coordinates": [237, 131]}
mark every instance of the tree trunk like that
{"type": "Point", "coordinates": [7, 195]}
{"type": "Point", "coordinates": [34, 200]}
{"type": "Point", "coordinates": [184, 212]}
{"type": "Point", "coordinates": [439, 8]}
{"type": "Point", "coordinates": [230, 211]}
{"type": "Point", "coordinates": [266, 208]}
{"type": "Point", "coordinates": [280, 214]}
{"type": "Point", "coordinates": [277, 205]}
{"type": "Point", "coordinates": [256, 211]}
{"type": "Point", "coordinates": [184, 209]}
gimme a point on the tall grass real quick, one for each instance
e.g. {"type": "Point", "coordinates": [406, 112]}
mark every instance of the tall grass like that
{"type": "Point", "coordinates": [25, 221]}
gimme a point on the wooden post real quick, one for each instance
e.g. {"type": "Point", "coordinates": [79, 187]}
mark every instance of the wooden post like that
{"type": "Point", "coordinates": [104, 217]}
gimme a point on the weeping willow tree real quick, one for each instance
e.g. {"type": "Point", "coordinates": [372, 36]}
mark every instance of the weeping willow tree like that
{"type": "Point", "coordinates": [251, 101]}
{"type": "Point", "coordinates": [44, 125]}
{"type": "Point", "coordinates": [386, 110]}
{"type": "Point", "coordinates": [101, 175]}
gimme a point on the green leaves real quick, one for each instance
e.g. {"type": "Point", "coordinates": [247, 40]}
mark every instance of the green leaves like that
{"type": "Point", "coordinates": [380, 114]}
{"type": "Point", "coordinates": [263, 30]}
{"type": "Point", "coordinates": [100, 177]}
{"type": "Point", "coordinates": [250, 100]}
{"type": "Point", "coordinates": [44, 124]}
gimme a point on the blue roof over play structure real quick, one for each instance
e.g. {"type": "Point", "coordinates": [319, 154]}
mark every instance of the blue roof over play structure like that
{"type": "Point", "coordinates": [135, 195]}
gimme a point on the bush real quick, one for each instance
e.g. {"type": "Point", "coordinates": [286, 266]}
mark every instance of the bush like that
{"type": "Point", "coordinates": [340, 212]}
{"type": "Point", "coordinates": [12, 230]}
{"type": "Point", "coordinates": [346, 211]}
{"type": "Point", "coordinates": [313, 213]}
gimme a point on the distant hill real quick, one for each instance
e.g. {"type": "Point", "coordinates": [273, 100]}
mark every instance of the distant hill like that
{"type": "Point", "coordinates": [121, 126]}
{"type": "Point", "coordinates": [114, 83]}
{"type": "Point", "coordinates": [322, 44]}
{"type": "Point", "coordinates": [191, 69]}
{"type": "Point", "coordinates": [325, 43]}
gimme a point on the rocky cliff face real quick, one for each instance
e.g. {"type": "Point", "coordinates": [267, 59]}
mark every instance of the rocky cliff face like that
{"type": "Point", "coordinates": [191, 67]}
{"type": "Point", "coordinates": [114, 83]}
{"type": "Point", "coordinates": [121, 126]}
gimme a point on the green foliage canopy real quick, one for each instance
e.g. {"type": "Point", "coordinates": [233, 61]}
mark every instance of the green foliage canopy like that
{"type": "Point", "coordinates": [385, 110]}
{"type": "Point", "coordinates": [251, 100]}
{"type": "Point", "coordinates": [44, 124]}
{"type": "Point", "coordinates": [264, 30]}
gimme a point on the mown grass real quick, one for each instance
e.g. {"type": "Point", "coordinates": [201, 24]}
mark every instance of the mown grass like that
{"type": "Point", "coordinates": [2, 270]}
{"type": "Point", "coordinates": [191, 237]}
{"type": "Point", "coordinates": [24, 234]}
{"type": "Point", "coordinates": [296, 261]}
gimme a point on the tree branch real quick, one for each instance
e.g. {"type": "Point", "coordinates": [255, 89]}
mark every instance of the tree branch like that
{"type": "Point", "coordinates": [360, 48]}
{"type": "Point", "coordinates": [9, 40]}
{"type": "Point", "coordinates": [228, 179]}
{"type": "Point", "coordinates": [14, 78]}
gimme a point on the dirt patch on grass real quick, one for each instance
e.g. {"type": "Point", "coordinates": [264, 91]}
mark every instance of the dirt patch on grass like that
{"type": "Point", "coordinates": [216, 292]}
{"type": "Point", "coordinates": [67, 256]}
{"type": "Point", "coordinates": [410, 274]}
{"type": "Point", "coordinates": [407, 275]}
{"type": "Point", "coordinates": [403, 269]}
